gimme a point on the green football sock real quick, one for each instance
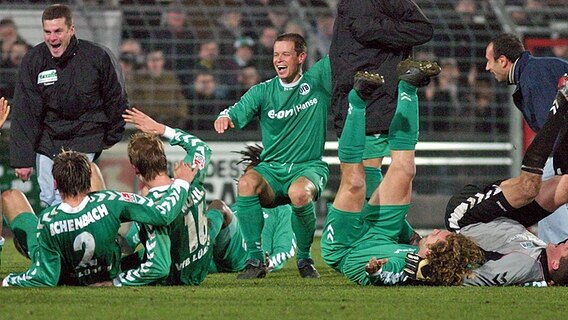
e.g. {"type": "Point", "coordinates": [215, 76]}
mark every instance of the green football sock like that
{"type": "Point", "coordinates": [352, 140]}
{"type": "Point", "coordinates": [304, 227]}
{"type": "Point", "coordinates": [249, 213]}
{"type": "Point", "coordinates": [403, 130]}
{"type": "Point", "coordinates": [373, 177]}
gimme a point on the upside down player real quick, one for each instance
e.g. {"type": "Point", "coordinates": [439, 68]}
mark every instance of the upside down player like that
{"type": "Point", "coordinates": [76, 239]}
{"type": "Point", "coordinates": [363, 241]}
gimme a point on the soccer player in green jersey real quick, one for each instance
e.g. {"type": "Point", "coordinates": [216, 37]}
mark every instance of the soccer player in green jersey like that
{"type": "Point", "coordinates": [292, 108]}
{"type": "Point", "coordinates": [180, 252]}
{"type": "Point", "coordinates": [76, 241]}
{"type": "Point", "coordinates": [364, 241]}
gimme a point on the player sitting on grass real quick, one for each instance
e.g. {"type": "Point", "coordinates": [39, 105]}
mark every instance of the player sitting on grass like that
{"type": "Point", "coordinates": [76, 239]}
{"type": "Point", "coordinates": [497, 216]}
{"type": "Point", "coordinates": [362, 240]}
{"type": "Point", "coordinates": [180, 252]}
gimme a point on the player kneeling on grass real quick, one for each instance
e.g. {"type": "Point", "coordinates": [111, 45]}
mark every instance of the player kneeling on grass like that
{"type": "Point", "coordinates": [497, 216]}
{"type": "Point", "coordinates": [367, 242]}
{"type": "Point", "coordinates": [76, 242]}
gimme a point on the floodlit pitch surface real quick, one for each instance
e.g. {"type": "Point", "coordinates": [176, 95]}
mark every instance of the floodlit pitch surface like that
{"type": "Point", "coordinates": [282, 295]}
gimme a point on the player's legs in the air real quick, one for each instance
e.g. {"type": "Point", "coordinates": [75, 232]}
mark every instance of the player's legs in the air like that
{"type": "Point", "coordinates": [343, 226]}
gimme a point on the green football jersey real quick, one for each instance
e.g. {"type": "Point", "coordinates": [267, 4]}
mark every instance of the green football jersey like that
{"type": "Point", "coordinates": [79, 244]}
{"type": "Point", "coordinates": [180, 251]}
{"type": "Point", "coordinates": [292, 116]}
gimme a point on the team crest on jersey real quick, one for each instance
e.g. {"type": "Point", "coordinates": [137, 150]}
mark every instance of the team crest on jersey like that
{"type": "Point", "coordinates": [126, 196]}
{"type": "Point", "coordinates": [527, 245]}
{"type": "Point", "coordinates": [198, 161]}
{"type": "Point", "coordinates": [304, 89]}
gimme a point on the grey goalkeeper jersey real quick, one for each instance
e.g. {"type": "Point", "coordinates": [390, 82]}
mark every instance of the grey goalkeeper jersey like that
{"type": "Point", "coordinates": [515, 255]}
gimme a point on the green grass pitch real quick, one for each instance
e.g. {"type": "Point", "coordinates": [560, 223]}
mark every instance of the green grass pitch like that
{"type": "Point", "coordinates": [282, 295]}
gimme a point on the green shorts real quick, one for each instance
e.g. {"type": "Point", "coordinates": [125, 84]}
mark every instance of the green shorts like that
{"type": "Point", "coordinates": [349, 240]}
{"type": "Point", "coordinates": [24, 227]}
{"type": "Point", "coordinates": [281, 175]}
{"type": "Point", "coordinates": [229, 251]}
{"type": "Point", "coordinates": [376, 146]}
{"type": "Point", "coordinates": [341, 232]}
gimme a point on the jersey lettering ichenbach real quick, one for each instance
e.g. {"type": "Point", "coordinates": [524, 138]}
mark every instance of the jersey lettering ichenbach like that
{"type": "Point", "coordinates": [80, 243]}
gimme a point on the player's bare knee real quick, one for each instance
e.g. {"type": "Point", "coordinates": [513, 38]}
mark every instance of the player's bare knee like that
{"type": "Point", "coordinates": [356, 184]}
{"type": "Point", "coordinates": [248, 185]}
{"type": "Point", "coordinates": [10, 200]}
{"type": "Point", "coordinates": [300, 197]}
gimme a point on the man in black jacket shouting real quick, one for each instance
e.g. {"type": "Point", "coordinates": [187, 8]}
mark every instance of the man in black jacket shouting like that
{"type": "Point", "coordinates": [69, 95]}
{"type": "Point", "coordinates": [373, 36]}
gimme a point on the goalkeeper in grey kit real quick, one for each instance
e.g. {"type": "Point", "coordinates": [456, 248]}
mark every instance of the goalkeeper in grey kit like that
{"type": "Point", "coordinates": [497, 216]}
{"type": "Point", "coordinates": [293, 109]}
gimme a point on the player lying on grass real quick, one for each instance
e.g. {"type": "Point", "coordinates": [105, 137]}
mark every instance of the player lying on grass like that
{"type": "Point", "coordinates": [229, 248]}
{"type": "Point", "coordinates": [367, 242]}
{"type": "Point", "coordinates": [76, 241]}
{"type": "Point", "coordinates": [497, 216]}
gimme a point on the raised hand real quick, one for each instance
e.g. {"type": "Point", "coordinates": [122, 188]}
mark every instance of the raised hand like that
{"type": "Point", "coordinates": [184, 171]}
{"type": "Point", "coordinates": [4, 110]}
{"type": "Point", "coordinates": [143, 122]}
{"type": "Point", "coordinates": [223, 123]}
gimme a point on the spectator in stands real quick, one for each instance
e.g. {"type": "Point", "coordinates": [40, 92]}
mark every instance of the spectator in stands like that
{"type": "Point", "coordinates": [258, 11]}
{"type": "Point", "coordinates": [158, 92]}
{"type": "Point", "coordinates": [177, 40]}
{"type": "Point", "coordinates": [264, 52]}
{"type": "Point", "coordinates": [9, 69]}
{"type": "Point", "coordinates": [278, 17]}
{"type": "Point", "coordinates": [209, 59]}
{"type": "Point", "coordinates": [206, 100]}
{"type": "Point", "coordinates": [323, 33]}
{"type": "Point", "coordinates": [244, 51]}
{"type": "Point", "coordinates": [293, 26]}
{"type": "Point", "coordinates": [8, 36]}
{"type": "Point", "coordinates": [536, 80]}
{"type": "Point", "coordinates": [230, 27]}
{"type": "Point", "coordinates": [247, 77]}
{"type": "Point", "coordinates": [487, 117]}
{"type": "Point", "coordinates": [131, 50]}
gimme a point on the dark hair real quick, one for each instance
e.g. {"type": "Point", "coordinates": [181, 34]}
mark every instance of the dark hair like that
{"type": "Point", "coordinates": [300, 44]}
{"type": "Point", "coordinates": [146, 153]}
{"type": "Point", "coordinates": [57, 11]}
{"type": "Point", "coordinates": [72, 172]}
{"type": "Point", "coordinates": [250, 155]}
{"type": "Point", "coordinates": [560, 275]}
{"type": "Point", "coordinates": [7, 22]}
{"type": "Point", "coordinates": [508, 45]}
